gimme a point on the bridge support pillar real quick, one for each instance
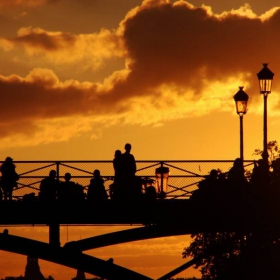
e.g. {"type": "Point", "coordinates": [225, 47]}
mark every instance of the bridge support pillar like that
{"type": "Point", "coordinates": [54, 234]}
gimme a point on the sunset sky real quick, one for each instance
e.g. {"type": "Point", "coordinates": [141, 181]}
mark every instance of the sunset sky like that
{"type": "Point", "coordinates": [80, 78]}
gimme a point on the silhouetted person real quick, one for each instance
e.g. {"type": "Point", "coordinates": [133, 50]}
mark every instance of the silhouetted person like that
{"type": "Point", "coordinates": [49, 187]}
{"type": "Point", "coordinates": [209, 189]}
{"type": "Point", "coordinates": [117, 164]}
{"type": "Point", "coordinates": [208, 186]}
{"type": "Point", "coordinates": [9, 178]}
{"type": "Point", "coordinates": [128, 170]}
{"type": "Point", "coordinates": [69, 191]}
{"type": "Point", "coordinates": [96, 189]}
{"type": "Point", "coordinates": [259, 178]}
{"type": "Point", "coordinates": [237, 182]}
{"type": "Point", "coordinates": [150, 191]}
{"type": "Point", "coordinates": [149, 199]}
{"type": "Point", "coordinates": [128, 162]}
{"type": "Point", "coordinates": [222, 180]}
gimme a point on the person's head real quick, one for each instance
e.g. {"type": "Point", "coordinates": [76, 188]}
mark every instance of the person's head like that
{"type": "Point", "coordinates": [9, 159]}
{"type": "Point", "coordinates": [52, 174]}
{"type": "Point", "coordinates": [67, 176]}
{"type": "Point", "coordinates": [237, 162]}
{"type": "Point", "coordinates": [127, 147]}
{"type": "Point", "coordinates": [96, 173]}
{"type": "Point", "coordinates": [213, 174]}
{"type": "Point", "coordinates": [118, 153]}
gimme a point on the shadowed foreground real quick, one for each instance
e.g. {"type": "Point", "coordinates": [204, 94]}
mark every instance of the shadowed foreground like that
{"type": "Point", "coordinates": [158, 219]}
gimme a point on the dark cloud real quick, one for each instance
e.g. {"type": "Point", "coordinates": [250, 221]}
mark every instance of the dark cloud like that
{"type": "Point", "coordinates": [42, 97]}
{"type": "Point", "coordinates": [46, 41]}
{"type": "Point", "coordinates": [165, 44]}
{"type": "Point", "coordinates": [183, 45]}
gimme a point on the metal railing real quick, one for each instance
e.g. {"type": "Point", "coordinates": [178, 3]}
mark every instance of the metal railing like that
{"type": "Point", "coordinates": [184, 176]}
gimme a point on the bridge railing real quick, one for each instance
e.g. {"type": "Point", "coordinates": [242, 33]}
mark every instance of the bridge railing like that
{"type": "Point", "coordinates": [183, 175]}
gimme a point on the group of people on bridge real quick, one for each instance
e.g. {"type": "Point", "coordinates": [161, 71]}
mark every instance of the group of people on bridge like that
{"type": "Point", "coordinates": [238, 182]}
{"type": "Point", "coordinates": [126, 184]}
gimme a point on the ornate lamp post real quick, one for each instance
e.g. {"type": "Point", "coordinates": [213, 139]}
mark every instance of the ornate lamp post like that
{"type": "Point", "coordinates": [162, 174]}
{"type": "Point", "coordinates": [265, 77]}
{"type": "Point", "coordinates": [241, 100]}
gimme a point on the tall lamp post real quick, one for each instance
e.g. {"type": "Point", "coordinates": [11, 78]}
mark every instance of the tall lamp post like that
{"type": "Point", "coordinates": [265, 77]}
{"type": "Point", "coordinates": [241, 100]}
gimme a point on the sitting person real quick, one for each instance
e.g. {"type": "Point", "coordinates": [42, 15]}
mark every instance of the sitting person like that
{"type": "Point", "coordinates": [96, 190]}
{"type": "Point", "coordinates": [49, 187]}
{"type": "Point", "coordinates": [69, 191]}
{"type": "Point", "coordinates": [207, 188]}
{"type": "Point", "coordinates": [236, 177]}
{"type": "Point", "coordinates": [9, 178]}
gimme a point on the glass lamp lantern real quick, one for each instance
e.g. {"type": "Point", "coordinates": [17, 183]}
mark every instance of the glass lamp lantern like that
{"type": "Point", "coordinates": [241, 100]}
{"type": "Point", "coordinates": [265, 77]}
{"type": "Point", "coordinates": [162, 174]}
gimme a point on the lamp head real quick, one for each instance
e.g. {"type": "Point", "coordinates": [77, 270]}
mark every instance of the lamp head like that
{"type": "Point", "coordinates": [265, 77]}
{"type": "Point", "coordinates": [241, 100]}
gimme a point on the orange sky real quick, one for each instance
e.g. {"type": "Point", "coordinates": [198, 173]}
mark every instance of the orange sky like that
{"type": "Point", "coordinates": [79, 79]}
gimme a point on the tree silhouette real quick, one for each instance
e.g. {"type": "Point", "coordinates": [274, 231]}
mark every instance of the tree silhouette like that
{"type": "Point", "coordinates": [240, 255]}
{"type": "Point", "coordinates": [217, 254]}
{"type": "Point", "coordinates": [273, 150]}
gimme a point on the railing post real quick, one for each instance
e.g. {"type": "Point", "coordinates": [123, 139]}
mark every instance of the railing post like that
{"type": "Point", "coordinates": [57, 170]}
{"type": "Point", "coordinates": [54, 227]}
{"type": "Point", "coordinates": [161, 178]}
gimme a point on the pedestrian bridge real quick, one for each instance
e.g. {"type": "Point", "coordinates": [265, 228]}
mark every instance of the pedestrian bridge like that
{"type": "Point", "coordinates": [183, 176]}
{"type": "Point", "coordinates": [174, 214]}
{"type": "Point", "coordinates": [163, 218]}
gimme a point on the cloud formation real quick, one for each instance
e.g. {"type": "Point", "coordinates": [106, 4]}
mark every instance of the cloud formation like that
{"type": "Point", "coordinates": [61, 47]}
{"type": "Point", "coordinates": [179, 61]}
{"type": "Point", "coordinates": [24, 3]}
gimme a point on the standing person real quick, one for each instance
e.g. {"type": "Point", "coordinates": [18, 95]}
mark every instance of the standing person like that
{"type": "Point", "coordinates": [128, 170]}
{"type": "Point", "coordinates": [96, 189]}
{"type": "Point", "coordinates": [117, 164]}
{"type": "Point", "coordinates": [128, 164]}
{"type": "Point", "coordinates": [49, 187]}
{"type": "Point", "coordinates": [9, 178]}
{"type": "Point", "coordinates": [237, 182]}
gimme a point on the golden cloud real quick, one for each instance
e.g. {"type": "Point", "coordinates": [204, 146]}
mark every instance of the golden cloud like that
{"type": "Point", "coordinates": [180, 61]}
{"type": "Point", "coordinates": [61, 47]}
{"type": "Point", "coordinates": [24, 3]}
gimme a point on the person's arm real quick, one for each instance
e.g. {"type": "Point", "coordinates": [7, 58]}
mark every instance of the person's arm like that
{"type": "Point", "coordinates": [135, 168]}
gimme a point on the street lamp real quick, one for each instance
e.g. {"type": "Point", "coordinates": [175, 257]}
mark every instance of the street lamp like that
{"type": "Point", "coordinates": [241, 100]}
{"type": "Point", "coordinates": [162, 174]}
{"type": "Point", "coordinates": [265, 77]}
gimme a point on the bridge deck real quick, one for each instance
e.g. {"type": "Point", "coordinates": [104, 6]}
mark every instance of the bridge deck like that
{"type": "Point", "coordinates": [162, 218]}
{"type": "Point", "coordinates": [195, 215]}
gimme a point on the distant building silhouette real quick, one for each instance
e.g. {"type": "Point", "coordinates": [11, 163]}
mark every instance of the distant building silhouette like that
{"type": "Point", "coordinates": [32, 271]}
{"type": "Point", "coordinates": [80, 275]}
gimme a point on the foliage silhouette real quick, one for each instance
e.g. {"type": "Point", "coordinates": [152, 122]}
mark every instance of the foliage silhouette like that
{"type": "Point", "coordinates": [240, 255]}
{"type": "Point", "coordinates": [273, 150]}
